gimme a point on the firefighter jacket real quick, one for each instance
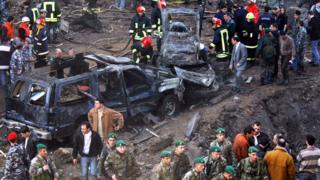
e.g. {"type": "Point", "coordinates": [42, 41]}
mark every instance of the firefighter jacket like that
{"type": "Point", "coordinates": [156, 21]}
{"type": "Point", "coordinates": [53, 11]}
{"type": "Point", "coordinates": [253, 8]}
{"type": "Point", "coordinates": [23, 31]}
{"type": "Point", "coordinates": [249, 35]}
{"type": "Point", "coordinates": [221, 42]}
{"type": "Point", "coordinates": [7, 31]}
{"type": "Point", "coordinates": [140, 27]}
{"type": "Point", "coordinates": [40, 42]}
{"type": "Point", "coordinates": [142, 55]}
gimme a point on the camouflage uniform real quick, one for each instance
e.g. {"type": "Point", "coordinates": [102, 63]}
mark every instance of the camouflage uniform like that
{"type": "Point", "coordinates": [3, 11]}
{"type": "Point", "coordinates": [27, 55]}
{"type": "Point", "coordinates": [214, 167]}
{"type": "Point", "coordinates": [106, 151]}
{"type": "Point", "coordinates": [16, 164]}
{"type": "Point", "coordinates": [124, 166]}
{"type": "Point", "coordinates": [36, 169]}
{"type": "Point", "coordinates": [226, 151]}
{"type": "Point", "coordinates": [218, 177]}
{"type": "Point", "coordinates": [181, 165]}
{"type": "Point", "coordinates": [193, 175]}
{"type": "Point", "coordinates": [163, 173]}
{"type": "Point", "coordinates": [16, 64]}
{"type": "Point", "coordinates": [252, 171]}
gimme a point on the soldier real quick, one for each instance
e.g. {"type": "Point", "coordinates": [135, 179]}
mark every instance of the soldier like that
{"type": "Point", "coordinates": [252, 167]}
{"type": "Point", "coordinates": [16, 62]}
{"type": "Point", "coordinates": [228, 174]}
{"type": "Point", "coordinates": [28, 58]}
{"type": "Point", "coordinates": [196, 173]}
{"type": "Point", "coordinates": [121, 164]}
{"type": "Point", "coordinates": [180, 160]}
{"type": "Point", "coordinates": [225, 146]}
{"type": "Point", "coordinates": [215, 163]}
{"type": "Point", "coordinates": [17, 160]}
{"type": "Point", "coordinates": [109, 146]}
{"type": "Point", "coordinates": [42, 167]}
{"type": "Point", "coordinates": [164, 170]}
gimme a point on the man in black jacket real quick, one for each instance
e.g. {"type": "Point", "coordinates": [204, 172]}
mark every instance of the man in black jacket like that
{"type": "Point", "coordinates": [313, 30]}
{"type": "Point", "coordinates": [29, 141]}
{"type": "Point", "coordinates": [88, 145]}
{"type": "Point", "coordinates": [258, 135]}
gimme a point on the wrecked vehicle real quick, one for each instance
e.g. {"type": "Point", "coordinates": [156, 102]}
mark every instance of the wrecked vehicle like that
{"type": "Point", "coordinates": [54, 108]}
{"type": "Point", "coordinates": [181, 46]}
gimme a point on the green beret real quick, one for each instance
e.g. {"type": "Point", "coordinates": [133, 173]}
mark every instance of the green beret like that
{"type": "Point", "coordinates": [180, 142]}
{"type": "Point", "coordinates": [41, 146]}
{"type": "Point", "coordinates": [120, 143]}
{"type": "Point", "coordinates": [215, 149]}
{"type": "Point", "coordinates": [230, 170]}
{"type": "Point", "coordinates": [165, 153]}
{"type": "Point", "coordinates": [220, 130]}
{"type": "Point", "coordinates": [252, 149]}
{"type": "Point", "coordinates": [199, 160]}
{"type": "Point", "coordinates": [112, 135]}
{"type": "Point", "coordinates": [267, 30]}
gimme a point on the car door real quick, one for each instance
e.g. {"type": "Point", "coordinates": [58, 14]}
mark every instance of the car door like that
{"type": "Point", "coordinates": [112, 91]}
{"type": "Point", "coordinates": [141, 94]}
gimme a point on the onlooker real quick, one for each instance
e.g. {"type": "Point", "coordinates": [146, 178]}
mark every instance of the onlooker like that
{"type": "Point", "coordinates": [313, 30]}
{"type": "Point", "coordinates": [181, 163]}
{"type": "Point", "coordinates": [241, 143]}
{"type": "Point", "coordinates": [276, 34]}
{"type": "Point", "coordinates": [258, 135]}
{"type": "Point", "coordinates": [88, 144]}
{"type": "Point", "coordinates": [17, 160]}
{"type": "Point", "coordinates": [280, 163]}
{"type": "Point", "coordinates": [287, 52]}
{"type": "Point", "coordinates": [238, 61]}
{"type": "Point", "coordinates": [266, 18]}
{"type": "Point", "coordinates": [109, 146]}
{"type": "Point", "coordinates": [104, 120]}
{"type": "Point", "coordinates": [308, 160]}
{"type": "Point", "coordinates": [295, 24]}
{"type": "Point", "coordinates": [29, 141]}
{"type": "Point", "coordinates": [42, 167]}
{"type": "Point", "coordinates": [300, 43]}
{"type": "Point", "coordinates": [282, 20]}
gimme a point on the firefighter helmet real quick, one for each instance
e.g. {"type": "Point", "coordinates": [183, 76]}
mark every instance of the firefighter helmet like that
{"type": "Point", "coordinates": [25, 19]}
{"type": "Point", "coordinates": [216, 21]}
{"type": "Point", "coordinates": [141, 9]}
{"type": "Point", "coordinates": [146, 41]}
{"type": "Point", "coordinates": [162, 4]}
{"type": "Point", "coordinates": [250, 16]}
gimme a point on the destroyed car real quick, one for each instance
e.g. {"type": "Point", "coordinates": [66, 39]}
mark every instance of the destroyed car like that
{"type": "Point", "coordinates": [54, 108]}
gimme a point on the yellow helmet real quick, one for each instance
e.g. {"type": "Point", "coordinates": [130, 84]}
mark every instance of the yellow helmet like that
{"type": "Point", "coordinates": [250, 16]}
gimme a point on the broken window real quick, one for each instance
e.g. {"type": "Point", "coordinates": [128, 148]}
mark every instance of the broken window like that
{"type": "Point", "coordinates": [18, 89]}
{"type": "Point", "coordinates": [38, 95]}
{"type": "Point", "coordinates": [110, 86]}
{"type": "Point", "coordinates": [75, 92]}
{"type": "Point", "coordinates": [136, 81]}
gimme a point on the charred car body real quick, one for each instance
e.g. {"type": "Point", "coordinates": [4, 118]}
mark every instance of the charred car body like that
{"type": "Point", "coordinates": [181, 47]}
{"type": "Point", "coordinates": [54, 108]}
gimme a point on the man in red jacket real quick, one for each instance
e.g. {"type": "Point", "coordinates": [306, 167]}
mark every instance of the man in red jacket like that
{"type": "Point", "coordinates": [24, 29]}
{"type": "Point", "coordinates": [253, 8]}
{"type": "Point", "coordinates": [241, 143]}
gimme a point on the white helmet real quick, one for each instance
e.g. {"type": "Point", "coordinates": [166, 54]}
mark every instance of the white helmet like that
{"type": "Point", "coordinates": [25, 19]}
{"type": "Point", "coordinates": [254, 1]}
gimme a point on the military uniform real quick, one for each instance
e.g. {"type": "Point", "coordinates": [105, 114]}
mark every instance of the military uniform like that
{"type": "Point", "coordinates": [36, 169]}
{"type": "Point", "coordinates": [106, 151]}
{"type": "Point", "coordinates": [27, 57]}
{"type": "Point", "coordinates": [219, 177]}
{"type": "Point", "coordinates": [16, 64]}
{"type": "Point", "coordinates": [193, 175]}
{"type": "Point", "coordinates": [124, 166]}
{"type": "Point", "coordinates": [214, 167]}
{"type": "Point", "coordinates": [252, 171]}
{"type": "Point", "coordinates": [181, 165]}
{"type": "Point", "coordinates": [163, 173]}
{"type": "Point", "coordinates": [16, 164]}
{"type": "Point", "coordinates": [227, 152]}
{"type": "Point", "coordinates": [3, 11]}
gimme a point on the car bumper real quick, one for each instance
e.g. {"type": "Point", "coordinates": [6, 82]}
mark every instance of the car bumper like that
{"type": "Point", "coordinates": [41, 133]}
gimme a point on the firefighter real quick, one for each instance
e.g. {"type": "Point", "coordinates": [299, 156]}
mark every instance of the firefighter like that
{"type": "Point", "coordinates": [24, 29]}
{"type": "Point", "coordinates": [249, 37]}
{"type": "Point", "coordinates": [140, 25]}
{"type": "Point", "coordinates": [254, 9]}
{"type": "Point", "coordinates": [157, 21]}
{"type": "Point", "coordinates": [143, 52]}
{"type": "Point", "coordinates": [7, 29]}
{"type": "Point", "coordinates": [220, 40]}
{"type": "Point", "coordinates": [40, 43]}
{"type": "Point", "coordinates": [33, 14]}
{"type": "Point", "coordinates": [52, 18]}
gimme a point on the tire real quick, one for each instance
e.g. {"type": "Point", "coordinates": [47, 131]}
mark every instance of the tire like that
{"type": "Point", "coordinates": [169, 106]}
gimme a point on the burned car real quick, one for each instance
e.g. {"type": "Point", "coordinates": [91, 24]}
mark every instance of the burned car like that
{"type": "Point", "coordinates": [180, 50]}
{"type": "Point", "coordinates": [54, 108]}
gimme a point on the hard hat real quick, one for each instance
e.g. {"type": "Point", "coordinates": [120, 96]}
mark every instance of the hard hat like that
{"type": "Point", "coordinates": [250, 16]}
{"type": "Point", "coordinates": [216, 21]}
{"type": "Point", "coordinates": [253, 1]}
{"type": "Point", "coordinates": [146, 41]}
{"type": "Point", "coordinates": [141, 9]}
{"type": "Point", "coordinates": [162, 4]}
{"type": "Point", "coordinates": [25, 19]}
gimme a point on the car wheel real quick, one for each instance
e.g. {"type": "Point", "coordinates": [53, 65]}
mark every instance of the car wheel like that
{"type": "Point", "coordinates": [169, 106]}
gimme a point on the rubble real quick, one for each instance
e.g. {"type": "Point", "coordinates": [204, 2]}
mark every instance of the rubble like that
{"type": "Point", "coordinates": [161, 143]}
{"type": "Point", "coordinates": [63, 156]}
{"type": "Point", "coordinates": [192, 125]}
